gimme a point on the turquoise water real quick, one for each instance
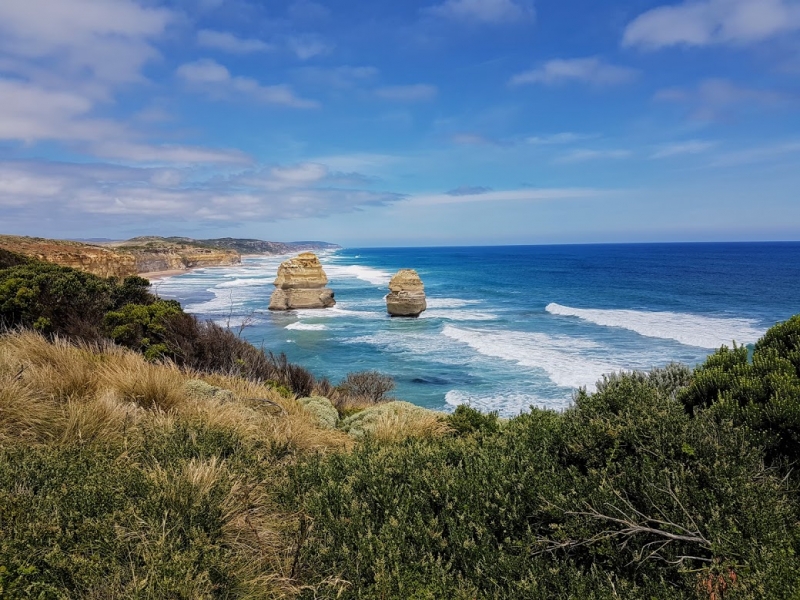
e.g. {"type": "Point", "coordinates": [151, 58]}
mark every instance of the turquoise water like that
{"type": "Point", "coordinates": [511, 327]}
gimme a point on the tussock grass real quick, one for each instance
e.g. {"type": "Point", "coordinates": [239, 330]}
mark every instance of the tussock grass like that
{"type": "Point", "coordinates": [176, 488]}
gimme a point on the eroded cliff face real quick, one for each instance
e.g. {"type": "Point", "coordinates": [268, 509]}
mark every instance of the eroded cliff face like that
{"type": "Point", "coordinates": [301, 284]}
{"type": "Point", "coordinates": [150, 260]}
{"type": "Point", "coordinates": [96, 260]}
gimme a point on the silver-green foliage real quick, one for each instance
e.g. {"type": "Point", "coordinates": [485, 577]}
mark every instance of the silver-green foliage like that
{"type": "Point", "coordinates": [363, 423]}
{"type": "Point", "coordinates": [323, 411]}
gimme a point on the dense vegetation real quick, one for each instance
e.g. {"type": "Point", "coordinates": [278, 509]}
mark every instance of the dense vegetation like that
{"type": "Point", "coordinates": [124, 476]}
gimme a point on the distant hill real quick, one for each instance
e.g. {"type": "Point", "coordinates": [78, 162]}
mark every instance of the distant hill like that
{"type": "Point", "coordinates": [253, 246]}
{"type": "Point", "coordinates": [241, 245]}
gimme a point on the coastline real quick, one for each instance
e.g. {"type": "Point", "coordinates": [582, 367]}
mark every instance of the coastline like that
{"type": "Point", "coordinates": [157, 275]}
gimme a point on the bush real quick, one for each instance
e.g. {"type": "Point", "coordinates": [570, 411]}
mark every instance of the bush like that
{"type": "Point", "coordinates": [366, 386]}
{"type": "Point", "coordinates": [322, 410]}
{"type": "Point", "coordinates": [143, 327]}
{"type": "Point", "coordinates": [625, 495]}
{"type": "Point", "coordinates": [62, 301]}
{"type": "Point", "coordinates": [762, 394]}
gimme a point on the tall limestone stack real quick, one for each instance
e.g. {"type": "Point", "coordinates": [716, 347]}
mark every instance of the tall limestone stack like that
{"type": "Point", "coordinates": [406, 294]}
{"type": "Point", "coordinates": [301, 284]}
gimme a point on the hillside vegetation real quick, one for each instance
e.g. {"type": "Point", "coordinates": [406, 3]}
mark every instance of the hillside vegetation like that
{"type": "Point", "coordinates": [147, 455]}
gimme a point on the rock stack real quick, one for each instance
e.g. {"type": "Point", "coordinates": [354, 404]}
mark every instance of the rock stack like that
{"type": "Point", "coordinates": [406, 294]}
{"type": "Point", "coordinates": [301, 284]}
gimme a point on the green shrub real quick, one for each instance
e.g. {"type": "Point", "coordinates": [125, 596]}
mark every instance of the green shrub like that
{"type": "Point", "coordinates": [143, 327]}
{"type": "Point", "coordinates": [61, 300]}
{"type": "Point", "coordinates": [624, 495]}
{"type": "Point", "coordinates": [466, 420]}
{"type": "Point", "coordinates": [762, 394]}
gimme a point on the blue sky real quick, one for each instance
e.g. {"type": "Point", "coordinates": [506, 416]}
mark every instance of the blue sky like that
{"type": "Point", "coordinates": [385, 123]}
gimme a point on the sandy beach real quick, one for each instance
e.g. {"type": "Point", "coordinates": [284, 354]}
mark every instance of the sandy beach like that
{"type": "Point", "coordinates": [156, 275]}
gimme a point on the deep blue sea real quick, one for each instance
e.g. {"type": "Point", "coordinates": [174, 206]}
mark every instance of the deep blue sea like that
{"type": "Point", "coordinates": [514, 326]}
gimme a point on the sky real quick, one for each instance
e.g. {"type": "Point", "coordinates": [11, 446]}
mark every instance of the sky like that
{"type": "Point", "coordinates": [413, 123]}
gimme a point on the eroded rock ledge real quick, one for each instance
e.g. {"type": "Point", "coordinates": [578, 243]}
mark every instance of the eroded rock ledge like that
{"type": "Point", "coordinates": [406, 294]}
{"type": "Point", "coordinates": [301, 283]}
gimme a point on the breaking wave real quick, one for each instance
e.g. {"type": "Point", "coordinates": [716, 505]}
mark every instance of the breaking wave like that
{"type": "Point", "coordinates": [688, 329]}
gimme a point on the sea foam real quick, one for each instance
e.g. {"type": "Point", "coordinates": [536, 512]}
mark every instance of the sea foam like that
{"type": "Point", "coordinates": [507, 404]}
{"type": "Point", "coordinates": [566, 360]}
{"type": "Point", "coordinates": [300, 326]}
{"type": "Point", "coordinates": [688, 329]}
{"type": "Point", "coordinates": [368, 274]}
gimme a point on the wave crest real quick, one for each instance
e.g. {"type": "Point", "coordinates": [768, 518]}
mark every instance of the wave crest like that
{"type": "Point", "coordinates": [688, 329]}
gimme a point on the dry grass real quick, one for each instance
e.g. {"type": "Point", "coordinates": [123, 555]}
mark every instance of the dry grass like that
{"type": "Point", "coordinates": [71, 393]}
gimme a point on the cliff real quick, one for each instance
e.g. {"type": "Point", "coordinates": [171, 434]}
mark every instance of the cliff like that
{"type": "Point", "coordinates": [103, 262]}
{"type": "Point", "coordinates": [161, 254]}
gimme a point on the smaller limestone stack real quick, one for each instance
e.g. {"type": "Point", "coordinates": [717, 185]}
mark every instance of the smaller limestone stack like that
{"type": "Point", "coordinates": [301, 284]}
{"type": "Point", "coordinates": [406, 294]}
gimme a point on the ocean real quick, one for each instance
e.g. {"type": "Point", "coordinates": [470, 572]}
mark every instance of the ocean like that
{"type": "Point", "coordinates": [515, 326]}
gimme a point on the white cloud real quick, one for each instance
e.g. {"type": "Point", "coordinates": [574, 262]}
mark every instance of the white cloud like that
{"type": "Point", "coordinates": [761, 154]}
{"type": "Point", "coordinates": [308, 46]}
{"type": "Point", "coordinates": [518, 195]}
{"type": "Point", "coordinates": [227, 42]}
{"type": "Point", "coordinates": [566, 137]}
{"type": "Point", "coordinates": [75, 192]}
{"type": "Point", "coordinates": [33, 114]}
{"type": "Point", "coordinates": [419, 92]}
{"type": "Point", "coordinates": [714, 99]}
{"type": "Point", "coordinates": [705, 22]}
{"type": "Point", "coordinates": [583, 155]}
{"type": "Point", "coordinates": [168, 153]}
{"type": "Point", "coordinates": [472, 139]}
{"type": "Point", "coordinates": [216, 81]}
{"type": "Point", "coordinates": [590, 70]}
{"type": "Point", "coordinates": [482, 11]}
{"type": "Point", "coordinates": [680, 148]}
{"type": "Point", "coordinates": [342, 77]}
{"type": "Point", "coordinates": [111, 39]}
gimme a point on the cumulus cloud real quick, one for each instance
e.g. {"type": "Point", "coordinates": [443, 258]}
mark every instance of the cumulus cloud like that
{"type": "Point", "coordinates": [715, 99]}
{"type": "Point", "coordinates": [591, 70]}
{"type": "Point", "coordinates": [482, 11]}
{"type": "Point", "coordinates": [705, 22]}
{"type": "Point", "coordinates": [80, 191]}
{"type": "Point", "coordinates": [110, 39]}
{"type": "Point", "coordinates": [419, 92]}
{"type": "Point", "coordinates": [216, 81]}
{"type": "Point", "coordinates": [227, 42]}
{"type": "Point", "coordinates": [33, 114]}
